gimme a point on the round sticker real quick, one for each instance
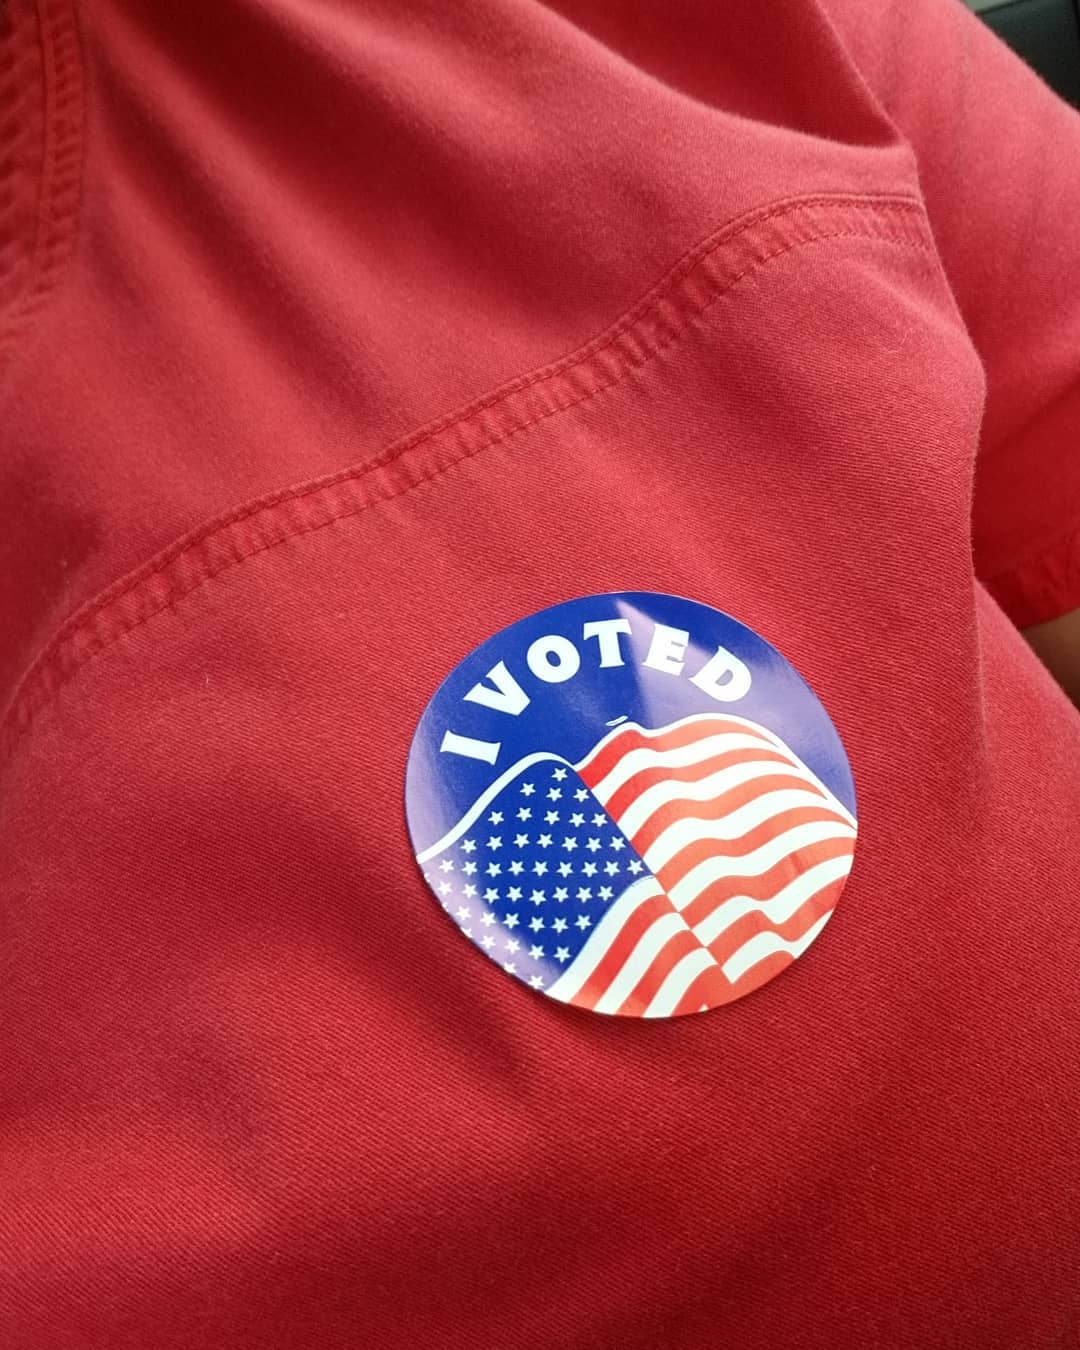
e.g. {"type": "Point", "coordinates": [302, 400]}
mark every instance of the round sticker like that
{"type": "Point", "coordinates": [633, 804]}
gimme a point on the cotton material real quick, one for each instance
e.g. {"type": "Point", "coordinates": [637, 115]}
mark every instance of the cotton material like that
{"type": "Point", "coordinates": [337, 337]}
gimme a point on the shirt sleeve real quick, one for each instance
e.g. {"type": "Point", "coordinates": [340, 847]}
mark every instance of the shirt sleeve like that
{"type": "Point", "coordinates": [998, 157]}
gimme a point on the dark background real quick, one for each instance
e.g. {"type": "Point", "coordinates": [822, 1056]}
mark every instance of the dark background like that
{"type": "Point", "coordinates": [1046, 33]}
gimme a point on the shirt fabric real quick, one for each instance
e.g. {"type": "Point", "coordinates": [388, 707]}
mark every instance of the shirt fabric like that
{"type": "Point", "coordinates": [335, 338]}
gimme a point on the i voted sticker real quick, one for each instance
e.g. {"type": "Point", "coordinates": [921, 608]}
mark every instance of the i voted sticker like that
{"type": "Point", "coordinates": [633, 804]}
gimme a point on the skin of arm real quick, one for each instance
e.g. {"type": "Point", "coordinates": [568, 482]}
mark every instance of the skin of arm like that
{"type": "Point", "coordinates": [1057, 645]}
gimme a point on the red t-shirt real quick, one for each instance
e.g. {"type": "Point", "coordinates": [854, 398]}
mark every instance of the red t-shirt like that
{"type": "Point", "coordinates": [337, 338]}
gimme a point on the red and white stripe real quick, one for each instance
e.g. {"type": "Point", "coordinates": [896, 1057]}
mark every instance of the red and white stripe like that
{"type": "Point", "coordinates": [748, 852]}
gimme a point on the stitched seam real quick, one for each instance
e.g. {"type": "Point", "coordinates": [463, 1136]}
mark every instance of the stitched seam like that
{"type": "Point", "coordinates": [37, 693]}
{"type": "Point", "coordinates": [676, 273]}
{"type": "Point", "coordinates": [48, 674]}
{"type": "Point", "coordinates": [460, 416]}
{"type": "Point", "coordinates": [61, 169]}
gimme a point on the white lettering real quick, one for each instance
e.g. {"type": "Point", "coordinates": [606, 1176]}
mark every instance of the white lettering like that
{"type": "Point", "coordinates": [507, 696]}
{"type": "Point", "coordinates": [667, 649]}
{"type": "Point", "coordinates": [553, 659]}
{"type": "Point", "coordinates": [607, 631]}
{"type": "Point", "coordinates": [723, 677]}
{"type": "Point", "coordinates": [453, 744]}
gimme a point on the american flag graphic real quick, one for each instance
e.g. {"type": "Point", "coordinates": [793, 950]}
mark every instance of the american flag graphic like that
{"type": "Point", "coordinates": [670, 870]}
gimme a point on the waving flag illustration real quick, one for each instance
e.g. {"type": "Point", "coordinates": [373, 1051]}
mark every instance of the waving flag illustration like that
{"type": "Point", "coordinates": [671, 869]}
